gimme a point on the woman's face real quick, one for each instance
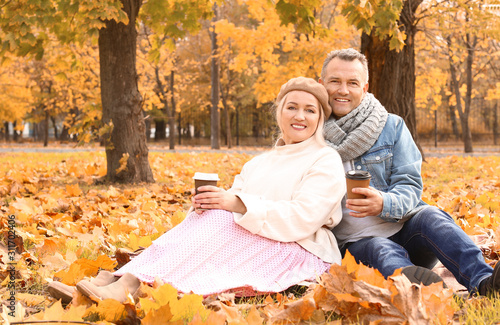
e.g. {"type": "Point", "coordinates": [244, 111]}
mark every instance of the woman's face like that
{"type": "Point", "coordinates": [300, 115]}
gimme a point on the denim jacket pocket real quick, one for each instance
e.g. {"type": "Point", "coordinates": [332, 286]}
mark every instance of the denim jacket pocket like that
{"type": "Point", "coordinates": [378, 162]}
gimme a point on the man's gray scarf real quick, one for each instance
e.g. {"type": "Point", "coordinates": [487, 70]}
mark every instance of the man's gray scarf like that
{"type": "Point", "coordinates": [356, 132]}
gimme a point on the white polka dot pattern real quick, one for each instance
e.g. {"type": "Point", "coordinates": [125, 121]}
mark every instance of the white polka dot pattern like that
{"type": "Point", "coordinates": [210, 253]}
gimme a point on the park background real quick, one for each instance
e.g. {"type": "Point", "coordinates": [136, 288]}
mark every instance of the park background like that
{"type": "Point", "coordinates": [206, 73]}
{"type": "Point", "coordinates": [137, 77]}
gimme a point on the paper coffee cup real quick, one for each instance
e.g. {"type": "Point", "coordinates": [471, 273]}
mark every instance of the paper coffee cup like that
{"type": "Point", "coordinates": [201, 179]}
{"type": "Point", "coordinates": [357, 178]}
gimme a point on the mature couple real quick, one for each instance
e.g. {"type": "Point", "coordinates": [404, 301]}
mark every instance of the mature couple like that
{"type": "Point", "coordinates": [286, 219]}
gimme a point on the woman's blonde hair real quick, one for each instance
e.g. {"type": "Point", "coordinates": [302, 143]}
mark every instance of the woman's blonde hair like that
{"type": "Point", "coordinates": [278, 107]}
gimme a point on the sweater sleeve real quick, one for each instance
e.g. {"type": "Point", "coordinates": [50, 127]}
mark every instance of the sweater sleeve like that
{"type": "Point", "coordinates": [315, 202]}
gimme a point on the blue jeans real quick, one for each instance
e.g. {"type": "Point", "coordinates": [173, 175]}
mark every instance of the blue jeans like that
{"type": "Point", "coordinates": [430, 235]}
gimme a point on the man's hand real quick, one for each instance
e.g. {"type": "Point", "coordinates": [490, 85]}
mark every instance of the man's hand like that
{"type": "Point", "coordinates": [371, 206]}
{"type": "Point", "coordinates": [212, 197]}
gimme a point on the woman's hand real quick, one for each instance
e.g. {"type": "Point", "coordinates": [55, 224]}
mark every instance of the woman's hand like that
{"type": "Point", "coordinates": [212, 197]}
{"type": "Point", "coordinates": [372, 205]}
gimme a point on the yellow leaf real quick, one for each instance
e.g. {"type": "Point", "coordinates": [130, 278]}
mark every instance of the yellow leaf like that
{"type": "Point", "coordinates": [188, 306]}
{"type": "Point", "coordinates": [158, 317]}
{"type": "Point", "coordinates": [123, 163]}
{"type": "Point", "coordinates": [30, 299]}
{"type": "Point", "coordinates": [149, 206]}
{"type": "Point", "coordinates": [136, 242]}
{"type": "Point", "coordinates": [184, 308]}
{"type": "Point", "coordinates": [177, 217]}
{"type": "Point", "coordinates": [54, 312]}
{"type": "Point", "coordinates": [109, 309]}
{"type": "Point", "coordinates": [148, 305]}
{"type": "Point", "coordinates": [74, 313]}
{"type": "Point", "coordinates": [164, 294]}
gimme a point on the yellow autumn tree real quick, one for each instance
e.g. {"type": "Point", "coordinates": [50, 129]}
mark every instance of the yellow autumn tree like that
{"type": "Point", "coordinates": [278, 49]}
{"type": "Point", "coordinates": [15, 96]}
{"type": "Point", "coordinates": [156, 54]}
{"type": "Point", "coordinates": [463, 35]}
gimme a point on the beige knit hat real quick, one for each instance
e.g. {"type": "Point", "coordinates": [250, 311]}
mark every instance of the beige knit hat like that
{"type": "Point", "coordinates": [308, 85]}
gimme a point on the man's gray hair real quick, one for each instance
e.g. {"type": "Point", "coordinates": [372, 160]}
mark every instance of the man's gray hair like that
{"type": "Point", "coordinates": [346, 55]}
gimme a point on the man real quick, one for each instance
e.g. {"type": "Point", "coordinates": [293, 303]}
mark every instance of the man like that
{"type": "Point", "coordinates": [392, 227]}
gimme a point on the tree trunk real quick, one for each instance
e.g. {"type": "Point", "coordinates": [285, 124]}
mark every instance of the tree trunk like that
{"type": "Point", "coordinates": [463, 113]}
{"type": "Point", "coordinates": [54, 125]}
{"type": "Point", "coordinates": [64, 136]}
{"type": "Point", "coordinates": [255, 123]}
{"type": "Point", "coordinates": [454, 124]}
{"type": "Point", "coordinates": [171, 115]}
{"type": "Point", "coordinates": [121, 100]}
{"type": "Point", "coordinates": [147, 122]}
{"type": "Point", "coordinates": [179, 128]}
{"type": "Point", "coordinates": [160, 128]}
{"type": "Point", "coordinates": [237, 127]}
{"type": "Point", "coordinates": [224, 95]}
{"type": "Point", "coordinates": [451, 112]}
{"type": "Point", "coordinates": [495, 124]}
{"type": "Point", "coordinates": [471, 42]}
{"type": "Point", "coordinates": [392, 73]}
{"type": "Point", "coordinates": [68, 121]}
{"type": "Point", "coordinates": [46, 129]}
{"type": "Point", "coordinates": [214, 67]}
{"type": "Point", "coordinates": [36, 131]}
{"type": "Point", "coordinates": [15, 134]}
{"type": "Point", "coordinates": [160, 124]}
{"type": "Point", "coordinates": [228, 124]}
{"type": "Point", "coordinates": [6, 128]}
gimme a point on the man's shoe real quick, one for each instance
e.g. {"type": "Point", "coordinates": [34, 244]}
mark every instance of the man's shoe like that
{"type": "Point", "coordinates": [421, 275]}
{"type": "Point", "coordinates": [118, 290]}
{"type": "Point", "coordinates": [59, 290]}
{"type": "Point", "coordinates": [491, 284]}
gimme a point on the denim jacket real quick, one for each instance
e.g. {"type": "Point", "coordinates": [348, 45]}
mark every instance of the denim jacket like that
{"type": "Point", "coordinates": [394, 162]}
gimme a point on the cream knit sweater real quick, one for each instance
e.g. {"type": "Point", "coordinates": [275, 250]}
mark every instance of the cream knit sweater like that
{"type": "Point", "coordinates": [290, 193]}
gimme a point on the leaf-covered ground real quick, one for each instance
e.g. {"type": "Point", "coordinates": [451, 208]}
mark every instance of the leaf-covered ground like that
{"type": "Point", "coordinates": [67, 228]}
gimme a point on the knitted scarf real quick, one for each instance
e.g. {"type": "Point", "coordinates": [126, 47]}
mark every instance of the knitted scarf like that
{"type": "Point", "coordinates": [356, 132]}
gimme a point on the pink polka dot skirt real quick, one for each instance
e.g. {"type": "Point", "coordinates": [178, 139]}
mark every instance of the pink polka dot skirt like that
{"type": "Point", "coordinates": [210, 253]}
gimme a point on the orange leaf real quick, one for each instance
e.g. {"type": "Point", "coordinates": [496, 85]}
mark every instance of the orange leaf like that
{"type": "Point", "coordinates": [109, 309]}
{"type": "Point", "coordinates": [49, 246]}
{"type": "Point", "coordinates": [73, 190]}
{"type": "Point", "coordinates": [337, 280]}
{"type": "Point", "coordinates": [296, 311]}
{"type": "Point", "coordinates": [232, 314]}
{"type": "Point", "coordinates": [253, 317]}
{"type": "Point", "coordinates": [84, 267]}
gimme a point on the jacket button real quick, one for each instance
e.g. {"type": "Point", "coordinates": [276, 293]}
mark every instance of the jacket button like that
{"type": "Point", "coordinates": [359, 167]}
{"type": "Point", "coordinates": [377, 158]}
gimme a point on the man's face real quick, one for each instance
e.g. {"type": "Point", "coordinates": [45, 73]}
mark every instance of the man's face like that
{"type": "Point", "coordinates": [346, 86]}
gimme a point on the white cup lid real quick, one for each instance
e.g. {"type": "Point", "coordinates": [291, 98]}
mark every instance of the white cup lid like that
{"type": "Point", "coordinates": [206, 176]}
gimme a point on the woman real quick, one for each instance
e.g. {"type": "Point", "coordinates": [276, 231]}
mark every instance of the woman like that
{"type": "Point", "coordinates": [270, 231]}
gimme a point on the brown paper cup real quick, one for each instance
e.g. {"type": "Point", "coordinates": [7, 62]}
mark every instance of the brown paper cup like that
{"type": "Point", "coordinates": [201, 179]}
{"type": "Point", "coordinates": [203, 182]}
{"type": "Point", "coordinates": [357, 178]}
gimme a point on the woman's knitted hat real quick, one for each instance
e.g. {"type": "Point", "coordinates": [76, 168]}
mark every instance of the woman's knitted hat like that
{"type": "Point", "coordinates": [308, 85]}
